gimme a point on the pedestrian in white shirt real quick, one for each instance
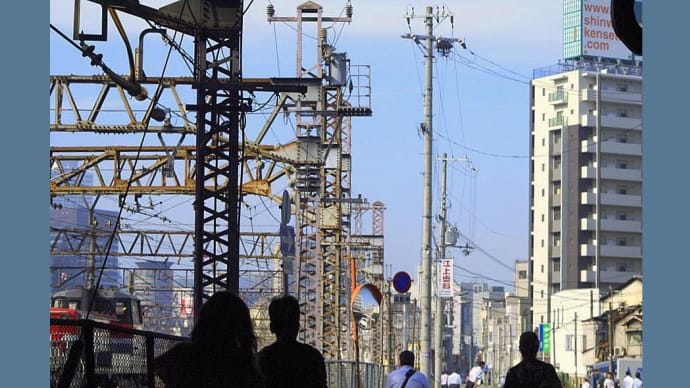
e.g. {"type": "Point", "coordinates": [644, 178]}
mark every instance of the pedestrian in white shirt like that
{"type": "Point", "coordinates": [608, 381]}
{"type": "Point", "coordinates": [454, 380]}
{"type": "Point", "coordinates": [406, 376]}
{"type": "Point", "coordinates": [475, 375]}
{"type": "Point", "coordinates": [637, 381]}
{"type": "Point", "coordinates": [627, 380]}
{"type": "Point", "coordinates": [444, 379]}
{"type": "Point", "coordinates": [585, 383]}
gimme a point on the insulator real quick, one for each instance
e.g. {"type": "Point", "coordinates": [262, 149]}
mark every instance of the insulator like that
{"type": "Point", "coordinates": [323, 34]}
{"type": "Point", "coordinates": [270, 11]}
{"type": "Point", "coordinates": [348, 10]}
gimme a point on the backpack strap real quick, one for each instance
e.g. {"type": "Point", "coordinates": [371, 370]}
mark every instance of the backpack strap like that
{"type": "Point", "coordinates": [407, 377]}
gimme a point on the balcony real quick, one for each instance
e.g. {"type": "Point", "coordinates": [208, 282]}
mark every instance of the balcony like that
{"type": "Point", "coordinates": [588, 120]}
{"type": "Point", "coordinates": [616, 276]}
{"type": "Point", "coordinates": [588, 224]}
{"type": "Point", "coordinates": [589, 275]}
{"type": "Point", "coordinates": [621, 200]}
{"type": "Point", "coordinates": [629, 200]}
{"type": "Point", "coordinates": [588, 172]}
{"type": "Point", "coordinates": [614, 147]}
{"type": "Point", "coordinates": [613, 121]}
{"type": "Point", "coordinates": [558, 121]}
{"type": "Point", "coordinates": [588, 249]}
{"type": "Point", "coordinates": [589, 95]}
{"type": "Point", "coordinates": [588, 198]}
{"type": "Point", "coordinates": [589, 145]}
{"type": "Point", "coordinates": [558, 97]}
{"type": "Point", "coordinates": [614, 225]}
{"type": "Point", "coordinates": [621, 174]}
{"type": "Point", "coordinates": [621, 251]}
{"type": "Point", "coordinates": [622, 97]}
{"type": "Point", "coordinates": [611, 225]}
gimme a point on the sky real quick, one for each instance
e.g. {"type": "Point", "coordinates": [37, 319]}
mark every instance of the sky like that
{"type": "Point", "coordinates": [480, 114]}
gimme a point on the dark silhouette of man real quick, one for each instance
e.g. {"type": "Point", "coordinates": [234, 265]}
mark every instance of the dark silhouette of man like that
{"type": "Point", "coordinates": [530, 372]}
{"type": "Point", "coordinates": [286, 362]}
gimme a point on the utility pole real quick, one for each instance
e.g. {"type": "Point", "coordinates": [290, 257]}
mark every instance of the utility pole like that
{"type": "Point", "coordinates": [576, 345]}
{"type": "Point", "coordinates": [444, 45]}
{"type": "Point", "coordinates": [610, 330]}
{"type": "Point", "coordinates": [438, 330]}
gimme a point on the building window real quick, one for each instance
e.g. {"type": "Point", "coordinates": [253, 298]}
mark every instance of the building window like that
{"type": "Point", "coordinates": [556, 266]}
{"type": "Point", "coordinates": [621, 267]}
{"type": "Point", "coordinates": [557, 240]}
{"type": "Point", "coordinates": [622, 112]}
{"type": "Point", "coordinates": [542, 218]}
{"type": "Point", "coordinates": [556, 162]}
{"type": "Point", "coordinates": [543, 117]}
{"type": "Point", "coordinates": [542, 293]}
{"type": "Point", "coordinates": [542, 192]}
{"type": "Point", "coordinates": [622, 139]}
{"type": "Point", "coordinates": [622, 87]}
{"type": "Point", "coordinates": [557, 189]}
{"type": "Point", "coordinates": [621, 241]}
{"type": "Point", "coordinates": [621, 216]}
{"type": "Point", "coordinates": [542, 245]}
{"type": "Point", "coordinates": [522, 274]}
{"type": "Point", "coordinates": [622, 189]}
{"type": "Point", "coordinates": [543, 141]}
{"type": "Point", "coordinates": [543, 92]}
{"type": "Point", "coordinates": [634, 338]}
{"type": "Point", "coordinates": [557, 214]}
{"type": "Point", "coordinates": [623, 164]}
{"type": "Point", "coordinates": [543, 166]}
{"type": "Point", "coordinates": [542, 271]}
{"type": "Point", "coordinates": [569, 343]}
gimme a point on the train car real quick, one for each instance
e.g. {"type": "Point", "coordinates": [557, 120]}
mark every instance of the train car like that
{"type": "Point", "coordinates": [109, 306]}
{"type": "Point", "coordinates": [117, 352]}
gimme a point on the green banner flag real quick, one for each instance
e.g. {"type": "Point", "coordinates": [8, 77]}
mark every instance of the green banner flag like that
{"type": "Point", "coordinates": [545, 337]}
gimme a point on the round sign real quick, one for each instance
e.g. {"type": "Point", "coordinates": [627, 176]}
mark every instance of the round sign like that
{"type": "Point", "coordinates": [402, 281]}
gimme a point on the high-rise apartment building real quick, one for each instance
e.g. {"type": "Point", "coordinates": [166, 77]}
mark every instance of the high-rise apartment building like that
{"type": "Point", "coordinates": [585, 220]}
{"type": "Point", "coordinates": [586, 179]}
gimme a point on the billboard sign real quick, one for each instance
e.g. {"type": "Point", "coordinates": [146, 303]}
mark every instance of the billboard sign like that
{"type": "Point", "coordinates": [592, 34]}
{"type": "Point", "coordinates": [445, 278]}
{"type": "Point", "coordinates": [598, 37]}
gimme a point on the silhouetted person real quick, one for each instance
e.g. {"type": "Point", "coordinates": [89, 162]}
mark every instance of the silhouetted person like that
{"type": "Point", "coordinates": [286, 362]}
{"type": "Point", "coordinates": [406, 376]}
{"type": "Point", "coordinates": [530, 372]}
{"type": "Point", "coordinates": [221, 352]}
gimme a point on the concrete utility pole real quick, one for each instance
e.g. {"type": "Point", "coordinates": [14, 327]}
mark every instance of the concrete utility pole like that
{"type": "Point", "coordinates": [444, 45]}
{"type": "Point", "coordinates": [428, 198]}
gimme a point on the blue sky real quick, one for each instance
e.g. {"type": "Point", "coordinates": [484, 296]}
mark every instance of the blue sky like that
{"type": "Point", "coordinates": [481, 112]}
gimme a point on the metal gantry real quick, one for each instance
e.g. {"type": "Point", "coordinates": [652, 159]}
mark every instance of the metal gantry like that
{"type": "Point", "coordinates": [227, 162]}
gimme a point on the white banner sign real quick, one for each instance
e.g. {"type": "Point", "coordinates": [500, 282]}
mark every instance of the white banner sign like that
{"type": "Point", "coordinates": [598, 37]}
{"type": "Point", "coordinates": [445, 278]}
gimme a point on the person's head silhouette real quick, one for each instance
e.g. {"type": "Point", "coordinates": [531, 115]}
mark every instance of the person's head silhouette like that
{"type": "Point", "coordinates": [407, 358]}
{"type": "Point", "coordinates": [224, 323]}
{"type": "Point", "coordinates": [283, 312]}
{"type": "Point", "coordinates": [529, 345]}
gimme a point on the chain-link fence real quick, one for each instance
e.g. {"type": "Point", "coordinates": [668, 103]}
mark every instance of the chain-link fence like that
{"type": "Point", "coordinates": [343, 374]}
{"type": "Point", "coordinates": [84, 353]}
